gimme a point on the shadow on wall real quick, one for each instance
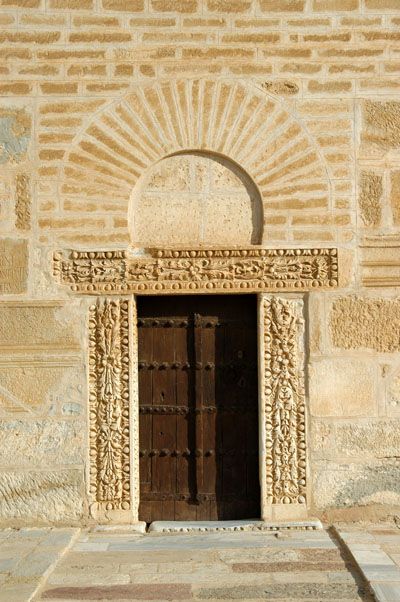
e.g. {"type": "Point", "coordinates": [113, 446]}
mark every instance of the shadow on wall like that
{"type": "Point", "coordinates": [195, 198]}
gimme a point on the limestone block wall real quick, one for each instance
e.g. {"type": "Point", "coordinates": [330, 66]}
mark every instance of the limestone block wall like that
{"type": "Point", "coordinates": [297, 102]}
{"type": "Point", "coordinates": [354, 436]}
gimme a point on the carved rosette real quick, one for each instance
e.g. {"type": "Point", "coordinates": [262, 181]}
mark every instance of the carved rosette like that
{"type": "Point", "coordinates": [284, 400]}
{"type": "Point", "coordinates": [197, 270]}
{"type": "Point", "coordinates": [109, 405]}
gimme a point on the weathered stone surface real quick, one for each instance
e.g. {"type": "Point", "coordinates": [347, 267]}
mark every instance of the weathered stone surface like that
{"type": "Point", "coordinates": [38, 386]}
{"type": "Point", "coordinates": [296, 591]}
{"type": "Point", "coordinates": [381, 124]}
{"type": "Point", "coordinates": [342, 387]}
{"type": "Point", "coordinates": [164, 591]}
{"type": "Point", "coordinates": [13, 266]}
{"type": "Point", "coordinates": [338, 485]}
{"type": "Point", "coordinates": [395, 196]}
{"type": "Point", "coordinates": [284, 87]}
{"type": "Point", "coordinates": [371, 190]}
{"type": "Point", "coordinates": [194, 199]}
{"type": "Point", "coordinates": [286, 567]}
{"type": "Point", "coordinates": [317, 323]}
{"type": "Point", "coordinates": [372, 438]}
{"type": "Point", "coordinates": [38, 497]}
{"type": "Point", "coordinates": [41, 443]}
{"type": "Point", "coordinates": [38, 324]}
{"type": "Point", "coordinates": [360, 322]}
{"type": "Point", "coordinates": [15, 131]}
{"type": "Point", "coordinates": [393, 394]}
{"type": "Point", "coordinates": [22, 201]}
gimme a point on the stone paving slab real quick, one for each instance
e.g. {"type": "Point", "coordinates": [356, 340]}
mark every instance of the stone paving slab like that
{"type": "Point", "coordinates": [27, 556]}
{"type": "Point", "coordinates": [297, 591]}
{"type": "Point", "coordinates": [378, 564]}
{"type": "Point", "coordinates": [296, 566]}
{"type": "Point", "coordinates": [125, 565]}
{"type": "Point", "coordinates": [125, 592]}
{"type": "Point", "coordinates": [212, 541]}
{"type": "Point", "coordinates": [163, 526]}
{"type": "Point", "coordinates": [386, 592]}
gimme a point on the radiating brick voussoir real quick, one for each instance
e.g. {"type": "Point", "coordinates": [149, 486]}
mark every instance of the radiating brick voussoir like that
{"type": "Point", "coordinates": [230, 118]}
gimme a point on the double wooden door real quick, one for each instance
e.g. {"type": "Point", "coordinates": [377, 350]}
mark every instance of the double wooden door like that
{"type": "Point", "coordinates": [198, 408]}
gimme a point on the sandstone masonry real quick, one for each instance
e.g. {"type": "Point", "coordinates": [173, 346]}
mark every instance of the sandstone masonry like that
{"type": "Point", "coordinates": [127, 125]}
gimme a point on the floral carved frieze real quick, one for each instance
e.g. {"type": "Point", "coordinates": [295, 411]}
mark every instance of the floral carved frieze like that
{"type": "Point", "coordinates": [197, 270]}
{"type": "Point", "coordinates": [284, 402]}
{"type": "Point", "coordinates": [109, 405]}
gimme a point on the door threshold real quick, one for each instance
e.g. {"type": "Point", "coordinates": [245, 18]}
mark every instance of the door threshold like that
{"type": "Point", "coordinates": [164, 526]}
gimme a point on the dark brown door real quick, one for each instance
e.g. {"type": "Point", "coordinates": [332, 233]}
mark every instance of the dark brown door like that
{"type": "Point", "coordinates": [198, 405]}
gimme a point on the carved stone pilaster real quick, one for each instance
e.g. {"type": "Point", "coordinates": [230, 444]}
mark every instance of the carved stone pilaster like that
{"type": "Point", "coordinates": [109, 412]}
{"type": "Point", "coordinates": [283, 411]}
{"type": "Point", "coordinates": [134, 411]}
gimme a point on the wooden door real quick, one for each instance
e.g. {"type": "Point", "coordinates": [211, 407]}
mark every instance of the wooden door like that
{"type": "Point", "coordinates": [198, 407]}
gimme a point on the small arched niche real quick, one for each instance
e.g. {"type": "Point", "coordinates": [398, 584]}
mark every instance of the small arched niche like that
{"type": "Point", "coordinates": [196, 199]}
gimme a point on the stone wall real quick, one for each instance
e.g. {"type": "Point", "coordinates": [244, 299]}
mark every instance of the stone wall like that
{"type": "Point", "coordinates": [297, 102]}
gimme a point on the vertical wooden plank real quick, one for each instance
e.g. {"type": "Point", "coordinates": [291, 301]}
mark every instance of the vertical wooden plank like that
{"type": "Point", "coordinates": [252, 463]}
{"type": "Point", "coordinates": [185, 433]}
{"type": "Point", "coordinates": [232, 435]}
{"type": "Point", "coordinates": [145, 354]}
{"type": "Point", "coordinates": [198, 357]}
{"type": "Point", "coordinates": [164, 432]}
{"type": "Point", "coordinates": [209, 417]}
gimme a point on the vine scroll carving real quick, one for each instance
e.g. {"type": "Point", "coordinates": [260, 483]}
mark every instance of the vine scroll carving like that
{"type": "Point", "coordinates": [109, 406]}
{"type": "Point", "coordinates": [114, 456]}
{"type": "Point", "coordinates": [284, 401]}
{"type": "Point", "coordinates": [197, 270]}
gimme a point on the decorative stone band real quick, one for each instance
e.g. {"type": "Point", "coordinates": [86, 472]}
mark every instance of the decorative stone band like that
{"type": "Point", "coordinates": [197, 270]}
{"type": "Point", "coordinates": [380, 261]}
{"type": "Point", "coordinates": [283, 400]}
{"type": "Point", "coordinates": [109, 406]}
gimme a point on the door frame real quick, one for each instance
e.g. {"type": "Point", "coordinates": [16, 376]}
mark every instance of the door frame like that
{"type": "Point", "coordinates": [280, 277]}
{"type": "Point", "coordinates": [280, 348]}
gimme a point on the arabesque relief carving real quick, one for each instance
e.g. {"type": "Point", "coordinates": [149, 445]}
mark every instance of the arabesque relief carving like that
{"type": "Point", "coordinates": [182, 271]}
{"type": "Point", "coordinates": [113, 399]}
{"type": "Point", "coordinates": [284, 403]}
{"type": "Point", "coordinates": [109, 405]}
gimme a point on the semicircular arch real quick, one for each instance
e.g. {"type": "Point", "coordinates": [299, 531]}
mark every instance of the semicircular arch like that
{"type": "Point", "coordinates": [231, 119]}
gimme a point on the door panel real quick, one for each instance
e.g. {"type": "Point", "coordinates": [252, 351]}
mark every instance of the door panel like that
{"type": "Point", "coordinates": [198, 406]}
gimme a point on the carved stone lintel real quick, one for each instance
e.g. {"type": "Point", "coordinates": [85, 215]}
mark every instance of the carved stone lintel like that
{"type": "Point", "coordinates": [284, 401]}
{"type": "Point", "coordinates": [197, 270]}
{"type": "Point", "coordinates": [110, 487]}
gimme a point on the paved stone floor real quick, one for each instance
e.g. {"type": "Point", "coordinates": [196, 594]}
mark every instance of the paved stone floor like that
{"type": "Point", "coordinates": [376, 550]}
{"type": "Point", "coordinates": [67, 565]}
{"type": "Point", "coordinates": [298, 565]}
{"type": "Point", "coordinates": [27, 558]}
